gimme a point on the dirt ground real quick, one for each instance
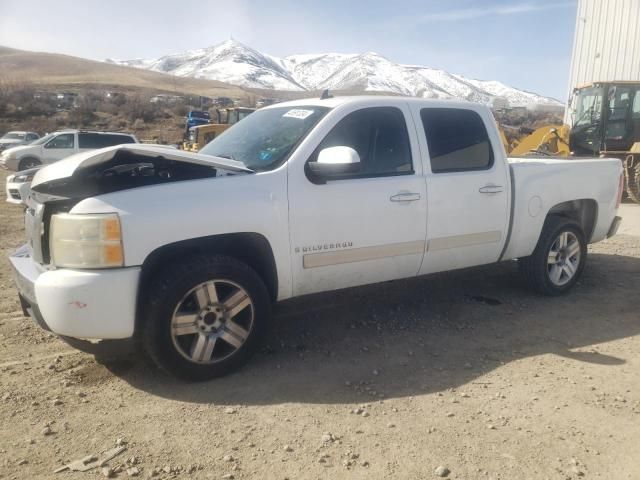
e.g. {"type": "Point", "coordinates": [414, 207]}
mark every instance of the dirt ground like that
{"type": "Point", "coordinates": [466, 370]}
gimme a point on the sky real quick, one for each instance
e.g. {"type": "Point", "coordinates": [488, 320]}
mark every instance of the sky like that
{"type": "Point", "coordinates": [524, 43]}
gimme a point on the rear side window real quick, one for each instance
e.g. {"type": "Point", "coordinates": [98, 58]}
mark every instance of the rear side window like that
{"type": "Point", "coordinates": [117, 139]}
{"type": "Point", "coordinates": [635, 109]}
{"type": "Point", "coordinates": [457, 140]}
{"type": "Point", "coordinates": [379, 135]}
{"type": "Point", "coordinates": [101, 140]}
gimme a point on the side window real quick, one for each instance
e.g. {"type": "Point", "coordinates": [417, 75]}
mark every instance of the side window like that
{"type": "Point", "coordinates": [118, 140]}
{"type": "Point", "coordinates": [101, 140]}
{"type": "Point", "coordinates": [31, 137]}
{"type": "Point", "coordinates": [89, 140]}
{"type": "Point", "coordinates": [208, 137]}
{"type": "Point", "coordinates": [379, 135]}
{"type": "Point", "coordinates": [635, 109]}
{"type": "Point", "coordinates": [457, 140]}
{"type": "Point", "coordinates": [64, 140]}
{"type": "Point", "coordinates": [619, 102]}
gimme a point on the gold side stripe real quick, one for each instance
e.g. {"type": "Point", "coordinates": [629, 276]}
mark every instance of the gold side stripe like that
{"type": "Point", "coordinates": [312, 260]}
{"type": "Point", "coordinates": [350, 255]}
{"type": "Point", "coordinates": [457, 241]}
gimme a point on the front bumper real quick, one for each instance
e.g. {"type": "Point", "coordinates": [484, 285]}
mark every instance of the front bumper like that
{"type": "Point", "coordinates": [615, 225]}
{"type": "Point", "coordinates": [17, 193]}
{"type": "Point", "coordinates": [9, 163]}
{"type": "Point", "coordinates": [92, 304]}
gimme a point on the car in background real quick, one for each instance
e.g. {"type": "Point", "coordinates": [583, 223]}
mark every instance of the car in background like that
{"type": "Point", "coordinates": [58, 145]}
{"type": "Point", "coordinates": [197, 117]}
{"type": "Point", "coordinates": [16, 138]}
{"type": "Point", "coordinates": [19, 186]}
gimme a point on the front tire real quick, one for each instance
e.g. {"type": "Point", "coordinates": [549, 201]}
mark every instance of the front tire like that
{"type": "Point", "coordinates": [559, 258]}
{"type": "Point", "coordinates": [205, 317]}
{"type": "Point", "coordinates": [27, 163]}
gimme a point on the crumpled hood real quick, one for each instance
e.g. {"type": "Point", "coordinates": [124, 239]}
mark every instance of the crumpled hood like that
{"type": "Point", "coordinates": [125, 167]}
{"type": "Point", "coordinates": [67, 167]}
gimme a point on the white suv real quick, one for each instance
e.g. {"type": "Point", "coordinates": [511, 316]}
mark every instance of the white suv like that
{"type": "Point", "coordinates": [59, 145]}
{"type": "Point", "coordinates": [16, 138]}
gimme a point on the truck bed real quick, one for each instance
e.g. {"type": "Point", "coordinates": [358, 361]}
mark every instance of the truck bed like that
{"type": "Point", "coordinates": [538, 184]}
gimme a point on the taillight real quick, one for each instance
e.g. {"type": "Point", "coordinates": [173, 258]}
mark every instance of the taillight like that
{"type": "Point", "coordinates": [620, 190]}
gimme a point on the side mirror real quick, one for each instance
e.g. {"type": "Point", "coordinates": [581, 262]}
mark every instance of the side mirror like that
{"type": "Point", "coordinates": [335, 161]}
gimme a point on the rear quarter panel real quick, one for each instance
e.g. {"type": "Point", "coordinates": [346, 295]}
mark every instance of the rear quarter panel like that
{"type": "Point", "coordinates": [541, 184]}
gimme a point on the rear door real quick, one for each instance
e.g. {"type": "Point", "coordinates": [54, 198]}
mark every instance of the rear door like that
{"type": "Point", "coordinates": [467, 188]}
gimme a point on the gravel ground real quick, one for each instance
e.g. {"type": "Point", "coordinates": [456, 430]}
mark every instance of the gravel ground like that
{"type": "Point", "coordinates": [466, 374]}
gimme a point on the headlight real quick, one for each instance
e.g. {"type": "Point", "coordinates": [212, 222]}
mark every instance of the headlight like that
{"type": "Point", "coordinates": [27, 177]}
{"type": "Point", "coordinates": [86, 241]}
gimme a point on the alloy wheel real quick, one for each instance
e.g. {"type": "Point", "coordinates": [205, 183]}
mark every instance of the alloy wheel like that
{"type": "Point", "coordinates": [564, 258]}
{"type": "Point", "coordinates": [212, 321]}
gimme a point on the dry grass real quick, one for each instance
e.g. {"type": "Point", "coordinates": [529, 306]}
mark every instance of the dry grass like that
{"type": "Point", "coordinates": [52, 69]}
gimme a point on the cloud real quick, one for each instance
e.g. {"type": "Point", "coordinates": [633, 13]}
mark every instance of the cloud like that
{"type": "Point", "coordinates": [470, 13]}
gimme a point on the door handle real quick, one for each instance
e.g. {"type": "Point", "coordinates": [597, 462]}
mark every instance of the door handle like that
{"type": "Point", "coordinates": [491, 189]}
{"type": "Point", "coordinates": [405, 197]}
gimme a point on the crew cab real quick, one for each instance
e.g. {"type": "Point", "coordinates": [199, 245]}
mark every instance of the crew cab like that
{"type": "Point", "coordinates": [186, 251]}
{"type": "Point", "coordinates": [58, 145]}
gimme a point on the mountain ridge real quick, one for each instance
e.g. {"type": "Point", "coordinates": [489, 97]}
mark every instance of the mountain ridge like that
{"type": "Point", "coordinates": [238, 64]}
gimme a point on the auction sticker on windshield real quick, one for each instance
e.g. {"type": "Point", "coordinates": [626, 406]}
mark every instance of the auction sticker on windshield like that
{"type": "Point", "coordinates": [298, 113]}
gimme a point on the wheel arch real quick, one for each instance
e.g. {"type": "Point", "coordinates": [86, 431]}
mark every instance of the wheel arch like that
{"type": "Point", "coordinates": [249, 247]}
{"type": "Point", "coordinates": [583, 211]}
{"type": "Point", "coordinates": [27, 158]}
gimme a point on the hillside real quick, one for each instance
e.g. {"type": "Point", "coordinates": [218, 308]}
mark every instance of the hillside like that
{"type": "Point", "coordinates": [235, 63]}
{"type": "Point", "coordinates": [51, 69]}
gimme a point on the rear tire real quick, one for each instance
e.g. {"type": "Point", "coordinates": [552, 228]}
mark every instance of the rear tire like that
{"type": "Point", "coordinates": [559, 258]}
{"type": "Point", "coordinates": [205, 317]}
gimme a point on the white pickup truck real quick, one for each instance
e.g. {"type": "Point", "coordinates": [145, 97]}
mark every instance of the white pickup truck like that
{"type": "Point", "coordinates": [186, 252]}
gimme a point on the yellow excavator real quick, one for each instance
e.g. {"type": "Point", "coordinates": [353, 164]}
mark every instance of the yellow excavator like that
{"type": "Point", "coordinates": [200, 135]}
{"type": "Point", "coordinates": [605, 122]}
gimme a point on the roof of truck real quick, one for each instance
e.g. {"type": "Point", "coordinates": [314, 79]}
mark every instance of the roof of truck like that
{"type": "Point", "coordinates": [336, 101]}
{"type": "Point", "coordinates": [75, 130]}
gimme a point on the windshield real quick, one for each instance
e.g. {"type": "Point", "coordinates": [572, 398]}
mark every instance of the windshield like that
{"type": "Point", "coordinates": [587, 106]}
{"type": "Point", "coordinates": [264, 139]}
{"type": "Point", "coordinates": [13, 136]}
{"type": "Point", "coordinates": [198, 114]}
{"type": "Point", "coordinates": [44, 139]}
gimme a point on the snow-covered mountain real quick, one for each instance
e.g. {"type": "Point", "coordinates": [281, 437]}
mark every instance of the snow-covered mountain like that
{"type": "Point", "coordinates": [235, 63]}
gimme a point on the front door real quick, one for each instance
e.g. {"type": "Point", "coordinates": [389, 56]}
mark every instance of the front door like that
{"type": "Point", "coordinates": [468, 188]}
{"type": "Point", "coordinates": [59, 147]}
{"type": "Point", "coordinates": [362, 227]}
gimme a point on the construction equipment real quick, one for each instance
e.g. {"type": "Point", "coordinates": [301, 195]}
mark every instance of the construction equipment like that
{"type": "Point", "coordinates": [605, 122]}
{"type": "Point", "coordinates": [200, 135]}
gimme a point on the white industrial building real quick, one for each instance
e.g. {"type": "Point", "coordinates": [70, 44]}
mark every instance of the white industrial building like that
{"type": "Point", "coordinates": [606, 44]}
